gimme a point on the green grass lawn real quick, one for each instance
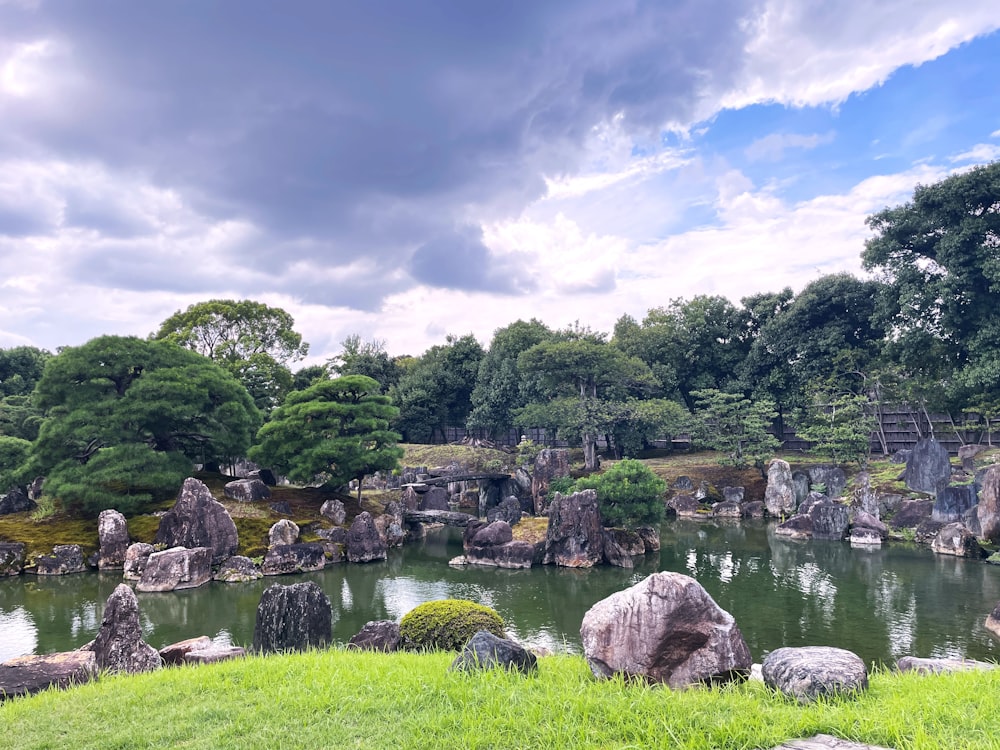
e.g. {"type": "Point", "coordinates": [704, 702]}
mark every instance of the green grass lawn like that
{"type": "Point", "coordinates": [341, 699]}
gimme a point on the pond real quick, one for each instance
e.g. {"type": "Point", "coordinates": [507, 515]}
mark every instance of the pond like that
{"type": "Point", "coordinates": [882, 604]}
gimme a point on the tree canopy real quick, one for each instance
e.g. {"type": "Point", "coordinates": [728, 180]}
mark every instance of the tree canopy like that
{"type": "Point", "coordinates": [125, 418]}
{"type": "Point", "coordinates": [333, 431]}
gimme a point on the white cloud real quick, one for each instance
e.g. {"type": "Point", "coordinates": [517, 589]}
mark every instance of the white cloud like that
{"type": "Point", "coordinates": [772, 147]}
{"type": "Point", "coordinates": [980, 154]}
{"type": "Point", "coordinates": [807, 54]}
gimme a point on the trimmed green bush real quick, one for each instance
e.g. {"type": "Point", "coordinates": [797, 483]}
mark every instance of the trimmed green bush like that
{"type": "Point", "coordinates": [629, 494]}
{"type": "Point", "coordinates": [447, 624]}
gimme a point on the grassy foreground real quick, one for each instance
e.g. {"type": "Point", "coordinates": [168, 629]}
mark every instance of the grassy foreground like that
{"type": "Point", "coordinates": [345, 699]}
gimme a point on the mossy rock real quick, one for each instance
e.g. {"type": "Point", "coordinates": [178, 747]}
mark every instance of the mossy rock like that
{"type": "Point", "coordinates": [447, 624]}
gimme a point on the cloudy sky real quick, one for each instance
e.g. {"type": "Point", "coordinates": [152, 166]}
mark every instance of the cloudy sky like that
{"type": "Point", "coordinates": [404, 170]}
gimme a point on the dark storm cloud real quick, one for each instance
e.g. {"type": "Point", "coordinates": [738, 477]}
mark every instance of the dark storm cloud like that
{"type": "Point", "coordinates": [365, 129]}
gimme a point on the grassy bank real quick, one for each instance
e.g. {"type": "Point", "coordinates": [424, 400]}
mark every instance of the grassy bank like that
{"type": "Point", "coordinates": [359, 700]}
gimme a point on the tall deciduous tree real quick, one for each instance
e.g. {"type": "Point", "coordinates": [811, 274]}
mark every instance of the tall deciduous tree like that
{"type": "Point", "coordinates": [253, 341]}
{"type": "Point", "coordinates": [369, 358]}
{"type": "Point", "coordinates": [126, 418]}
{"type": "Point", "coordinates": [939, 255]}
{"type": "Point", "coordinates": [335, 431]}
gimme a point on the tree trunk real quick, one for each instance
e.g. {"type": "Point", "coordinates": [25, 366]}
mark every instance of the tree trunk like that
{"type": "Point", "coordinates": [590, 451]}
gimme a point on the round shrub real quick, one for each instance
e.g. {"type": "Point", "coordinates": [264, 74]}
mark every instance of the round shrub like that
{"type": "Point", "coordinates": [447, 624]}
{"type": "Point", "coordinates": [629, 494]}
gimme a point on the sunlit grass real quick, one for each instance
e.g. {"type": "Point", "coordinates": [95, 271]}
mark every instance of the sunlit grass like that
{"type": "Point", "coordinates": [362, 700]}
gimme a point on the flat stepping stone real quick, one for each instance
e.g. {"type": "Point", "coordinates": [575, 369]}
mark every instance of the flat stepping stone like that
{"type": "Point", "coordinates": [826, 742]}
{"type": "Point", "coordinates": [809, 672]}
{"type": "Point", "coordinates": [939, 666]}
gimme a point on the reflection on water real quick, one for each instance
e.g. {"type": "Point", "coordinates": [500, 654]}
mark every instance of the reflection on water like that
{"type": "Point", "coordinates": [881, 603]}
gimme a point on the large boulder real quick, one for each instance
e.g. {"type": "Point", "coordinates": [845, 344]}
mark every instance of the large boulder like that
{"type": "Point", "coordinates": [779, 496]}
{"type": "Point", "coordinates": [812, 671]}
{"type": "Point", "coordinates": [334, 511]}
{"type": "Point", "coordinates": [943, 665]}
{"type": "Point", "coordinates": [173, 654]}
{"type": "Point", "coordinates": [136, 557]}
{"type": "Point", "coordinates": [11, 558]}
{"type": "Point", "coordinates": [575, 536]}
{"type": "Point", "coordinates": [16, 501]}
{"type": "Point", "coordinates": [799, 526]}
{"type": "Point", "coordinates": [993, 621]}
{"type": "Point", "coordinates": [665, 629]}
{"type": "Point", "coordinates": [911, 513]}
{"type": "Point", "coordinates": [247, 490]}
{"type": "Point", "coordinates": [989, 504]}
{"type": "Point", "coordinates": [829, 519]}
{"type": "Point", "coordinates": [487, 651]}
{"type": "Point", "coordinates": [864, 497]}
{"type": "Point", "coordinates": [363, 541]}
{"type": "Point", "coordinates": [621, 545]}
{"type": "Point", "coordinates": [831, 478]}
{"type": "Point", "coordinates": [119, 647]}
{"type": "Point", "coordinates": [112, 535]}
{"type": "Point", "coordinates": [177, 568]}
{"type": "Point", "coordinates": [377, 635]}
{"type": "Point", "coordinates": [550, 463]}
{"type": "Point", "coordinates": [928, 468]}
{"type": "Point", "coordinates": [436, 498]}
{"type": "Point", "coordinates": [967, 455]}
{"type": "Point", "coordinates": [492, 544]}
{"type": "Point", "coordinates": [508, 510]}
{"type": "Point", "coordinates": [198, 520]}
{"type": "Point", "coordinates": [867, 522]}
{"type": "Point", "coordinates": [953, 501]}
{"type": "Point", "coordinates": [684, 505]}
{"type": "Point", "coordinates": [238, 569]}
{"type": "Point", "coordinates": [800, 483]}
{"type": "Point", "coordinates": [293, 618]}
{"type": "Point", "coordinates": [31, 674]}
{"type": "Point", "coordinates": [294, 558]}
{"type": "Point", "coordinates": [390, 525]}
{"type": "Point", "coordinates": [955, 539]}
{"type": "Point", "coordinates": [65, 559]}
{"type": "Point", "coordinates": [283, 532]}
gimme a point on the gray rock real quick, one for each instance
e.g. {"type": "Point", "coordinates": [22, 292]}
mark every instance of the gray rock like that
{"type": "Point", "coordinates": [238, 569]}
{"type": "Point", "coordinates": [796, 527]}
{"type": "Point", "coordinates": [832, 478]}
{"type": "Point", "coordinates": [926, 531]}
{"type": "Point", "coordinates": [265, 475]}
{"type": "Point", "coordinates": [813, 671]}
{"type": "Point", "coordinates": [177, 568]}
{"type": "Point", "coordinates": [508, 510]}
{"type": "Point", "coordinates": [993, 621]}
{"type": "Point", "coordinates": [494, 534]}
{"type": "Point", "coordinates": [436, 498]}
{"type": "Point", "coordinates": [826, 742]}
{"type": "Point", "coordinates": [247, 490]}
{"type": "Point", "coordinates": [281, 507]}
{"type": "Point", "coordinates": [35, 488]}
{"type": "Point", "coordinates": [26, 675]}
{"type": "Point", "coordinates": [377, 635]}
{"type": "Point", "coordinates": [727, 509]}
{"type": "Point", "coordinates": [16, 501]}
{"type": "Point", "coordinates": [703, 492]}
{"type": "Point", "coordinates": [829, 519]}
{"type": "Point", "coordinates": [733, 494]}
{"type": "Point", "coordinates": [574, 537]}
{"type": "Point", "coordinates": [65, 559]}
{"type": "Point", "coordinates": [487, 651]}
{"type": "Point", "coordinates": [198, 520]}
{"type": "Point", "coordinates": [173, 655]}
{"type": "Point", "coordinates": [683, 483]}
{"type": "Point", "coordinates": [942, 666]}
{"type": "Point", "coordinates": [889, 503]}
{"type": "Point", "coordinates": [800, 484]}
{"type": "Point", "coordinates": [683, 505]}
{"type": "Point", "coordinates": [779, 496]}
{"type": "Point", "coordinates": [865, 537]}
{"type": "Point", "coordinates": [11, 558]}
{"type": "Point", "coordinates": [865, 498]}
{"type": "Point", "coordinates": [283, 532]}
{"type": "Point", "coordinates": [334, 510]}
{"type": "Point", "coordinates": [989, 504]}
{"type": "Point", "coordinates": [811, 500]}
{"type": "Point", "coordinates": [954, 539]}
{"type": "Point", "coordinates": [621, 545]}
{"type": "Point", "coordinates": [283, 559]}
{"type": "Point", "coordinates": [650, 538]}
{"type": "Point", "coordinates": [971, 520]}
{"type": "Point", "coordinates": [492, 545]}
{"type": "Point", "coordinates": [928, 469]}
{"type": "Point", "coordinates": [119, 647]}
{"type": "Point", "coordinates": [864, 520]}
{"type": "Point", "coordinates": [112, 535]}
{"type": "Point", "coordinates": [363, 541]}
{"type": "Point", "coordinates": [292, 618]}
{"type": "Point", "coordinates": [665, 629]}
{"type": "Point", "coordinates": [550, 463]}
{"type": "Point", "coordinates": [901, 456]}
{"type": "Point", "coordinates": [953, 501]}
{"type": "Point", "coordinates": [753, 509]}
{"type": "Point", "coordinates": [136, 557]}
{"type": "Point", "coordinates": [337, 535]}
{"type": "Point", "coordinates": [390, 525]}
{"type": "Point", "coordinates": [967, 455]}
{"type": "Point", "coordinates": [214, 654]}
{"type": "Point", "coordinates": [911, 514]}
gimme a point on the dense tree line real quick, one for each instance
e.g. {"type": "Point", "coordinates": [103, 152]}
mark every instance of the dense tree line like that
{"type": "Point", "coordinates": [215, 382]}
